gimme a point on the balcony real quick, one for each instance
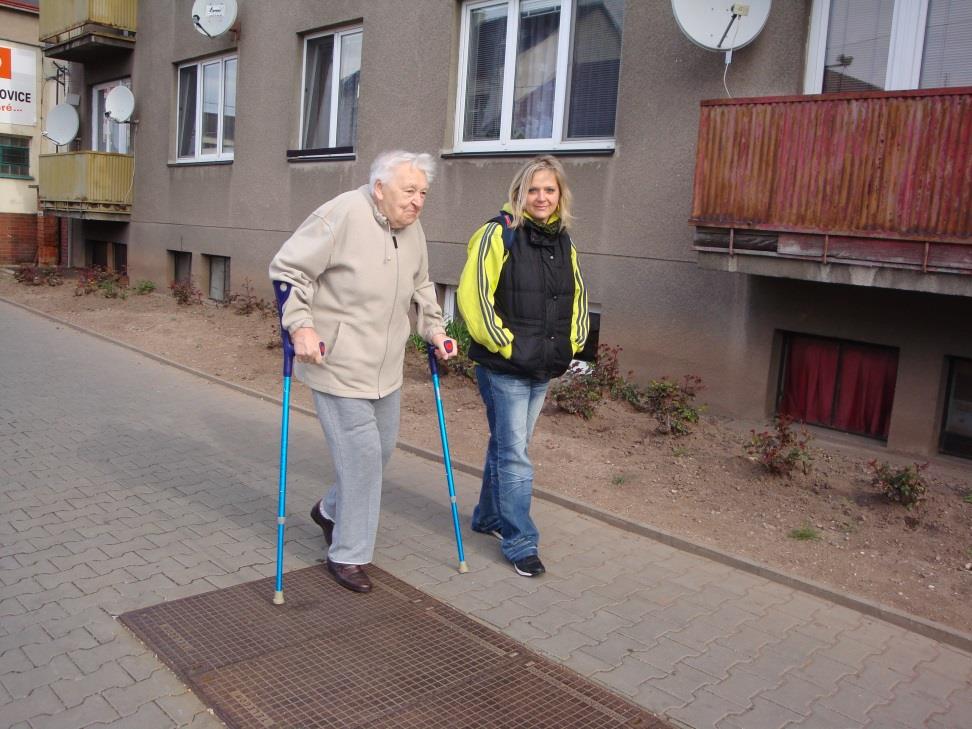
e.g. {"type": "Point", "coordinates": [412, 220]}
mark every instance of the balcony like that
{"type": "Point", "coordinates": [89, 185]}
{"type": "Point", "coordinates": [866, 189]}
{"type": "Point", "coordinates": [87, 30]}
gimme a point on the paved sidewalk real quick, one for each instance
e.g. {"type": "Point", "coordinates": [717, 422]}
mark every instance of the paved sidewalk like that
{"type": "Point", "coordinates": [124, 483]}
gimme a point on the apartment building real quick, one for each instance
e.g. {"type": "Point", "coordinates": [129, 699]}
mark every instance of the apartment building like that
{"type": "Point", "coordinates": [802, 246]}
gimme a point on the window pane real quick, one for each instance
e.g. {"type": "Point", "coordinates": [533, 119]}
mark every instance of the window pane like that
{"type": "Point", "coordinates": [210, 109]}
{"type": "Point", "coordinates": [347, 121]}
{"type": "Point", "coordinates": [858, 37]}
{"type": "Point", "coordinates": [14, 155]}
{"type": "Point", "coordinates": [102, 143]}
{"type": "Point", "coordinates": [594, 68]}
{"type": "Point", "coordinates": [187, 111]}
{"type": "Point", "coordinates": [947, 56]}
{"type": "Point", "coordinates": [536, 69]}
{"type": "Point", "coordinates": [484, 74]}
{"type": "Point", "coordinates": [317, 93]}
{"type": "Point", "coordinates": [229, 106]}
{"type": "Point", "coordinates": [957, 432]}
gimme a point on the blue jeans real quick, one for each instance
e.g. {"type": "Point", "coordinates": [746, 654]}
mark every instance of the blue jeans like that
{"type": "Point", "coordinates": [512, 406]}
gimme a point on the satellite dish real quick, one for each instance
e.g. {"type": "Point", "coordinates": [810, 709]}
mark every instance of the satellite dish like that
{"type": "Point", "coordinates": [119, 104]}
{"type": "Point", "coordinates": [213, 17]}
{"type": "Point", "coordinates": [62, 124]}
{"type": "Point", "coordinates": [721, 25]}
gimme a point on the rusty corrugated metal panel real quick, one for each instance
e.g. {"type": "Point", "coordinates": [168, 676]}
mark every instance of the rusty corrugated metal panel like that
{"type": "Point", "coordinates": [883, 164]}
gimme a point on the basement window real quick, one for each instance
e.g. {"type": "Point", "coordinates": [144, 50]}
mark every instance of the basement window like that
{"type": "Point", "coordinates": [838, 384]}
{"type": "Point", "coordinates": [957, 429]}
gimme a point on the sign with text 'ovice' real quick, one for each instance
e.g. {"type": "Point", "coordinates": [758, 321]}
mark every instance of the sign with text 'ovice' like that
{"type": "Point", "coordinates": [18, 85]}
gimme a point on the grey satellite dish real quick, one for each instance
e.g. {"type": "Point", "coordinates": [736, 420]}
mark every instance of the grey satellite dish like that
{"type": "Point", "coordinates": [213, 17]}
{"type": "Point", "coordinates": [721, 25]}
{"type": "Point", "coordinates": [119, 104]}
{"type": "Point", "coordinates": [62, 124]}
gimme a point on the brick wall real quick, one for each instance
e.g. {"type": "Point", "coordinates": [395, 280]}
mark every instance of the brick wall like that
{"type": "Point", "coordinates": [24, 235]}
{"type": "Point", "coordinates": [18, 237]}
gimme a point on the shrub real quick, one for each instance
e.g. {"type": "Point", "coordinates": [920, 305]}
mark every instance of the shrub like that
{"type": "Point", "coordinates": [903, 485]}
{"type": "Point", "coordinates": [144, 287]}
{"type": "Point", "coordinates": [246, 302]}
{"type": "Point", "coordinates": [185, 294]}
{"type": "Point", "coordinates": [581, 389]}
{"type": "Point", "coordinates": [110, 284]}
{"type": "Point", "coordinates": [781, 450]}
{"type": "Point", "coordinates": [671, 403]}
{"type": "Point", "coordinates": [31, 275]}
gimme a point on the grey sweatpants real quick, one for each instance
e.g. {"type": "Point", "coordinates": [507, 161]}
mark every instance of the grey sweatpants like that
{"type": "Point", "coordinates": [361, 435]}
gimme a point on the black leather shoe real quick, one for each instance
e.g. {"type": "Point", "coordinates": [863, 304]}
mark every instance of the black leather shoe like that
{"type": "Point", "coordinates": [326, 525]}
{"type": "Point", "coordinates": [350, 576]}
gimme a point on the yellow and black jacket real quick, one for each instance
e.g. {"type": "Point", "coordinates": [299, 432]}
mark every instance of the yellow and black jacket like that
{"type": "Point", "coordinates": [525, 302]}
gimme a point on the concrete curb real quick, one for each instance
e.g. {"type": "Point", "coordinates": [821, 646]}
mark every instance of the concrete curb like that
{"type": "Point", "coordinates": [928, 628]}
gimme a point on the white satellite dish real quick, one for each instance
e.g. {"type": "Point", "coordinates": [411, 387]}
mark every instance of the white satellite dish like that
{"type": "Point", "coordinates": [721, 25]}
{"type": "Point", "coordinates": [213, 17]}
{"type": "Point", "coordinates": [62, 124]}
{"type": "Point", "coordinates": [119, 104]}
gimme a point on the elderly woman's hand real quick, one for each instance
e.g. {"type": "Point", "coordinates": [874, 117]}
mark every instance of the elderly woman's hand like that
{"type": "Point", "coordinates": [307, 345]}
{"type": "Point", "coordinates": [441, 353]}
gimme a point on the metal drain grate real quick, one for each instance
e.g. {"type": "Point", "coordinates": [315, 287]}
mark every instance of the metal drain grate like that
{"type": "Point", "coordinates": [395, 658]}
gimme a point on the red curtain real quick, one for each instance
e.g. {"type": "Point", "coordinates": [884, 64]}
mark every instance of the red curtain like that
{"type": "Point", "coordinates": [866, 389]}
{"type": "Point", "coordinates": [809, 380]}
{"type": "Point", "coordinates": [839, 384]}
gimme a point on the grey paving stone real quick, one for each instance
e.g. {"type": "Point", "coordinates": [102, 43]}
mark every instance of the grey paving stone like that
{"type": "Point", "coordinates": [762, 714]}
{"type": "Point", "coordinates": [41, 703]}
{"type": "Point", "coordinates": [705, 710]}
{"type": "Point", "coordinates": [73, 691]}
{"type": "Point", "coordinates": [20, 684]}
{"type": "Point", "coordinates": [93, 711]}
{"type": "Point", "coordinates": [148, 716]}
{"type": "Point", "coordinates": [561, 644]}
{"type": "Point", "coordinates": [629, 676]}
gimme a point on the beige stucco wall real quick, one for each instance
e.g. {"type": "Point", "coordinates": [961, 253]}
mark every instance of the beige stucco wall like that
{"type": "Point", "coordinates": [670, 316]}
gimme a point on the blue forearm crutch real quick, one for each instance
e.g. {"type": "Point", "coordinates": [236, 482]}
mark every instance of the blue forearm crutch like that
{"type": "Point", "coordinates": [434, 368]}
{"type": "Point", "coordinates": [281, 289]}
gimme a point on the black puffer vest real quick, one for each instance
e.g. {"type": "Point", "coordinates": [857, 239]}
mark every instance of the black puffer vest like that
{"type": "Point", "coordinates": [535, 299]}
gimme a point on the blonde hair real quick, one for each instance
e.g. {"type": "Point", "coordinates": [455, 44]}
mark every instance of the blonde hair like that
{"type": "Point", "coordinates": [521, 184]}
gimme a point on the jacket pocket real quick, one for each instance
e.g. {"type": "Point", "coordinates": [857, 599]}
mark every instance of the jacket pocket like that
{"type": "Point", "coordinates": [331, 336]}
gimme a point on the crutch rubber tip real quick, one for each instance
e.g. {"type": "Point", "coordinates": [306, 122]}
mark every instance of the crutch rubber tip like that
{"type": "Point", "coordinates": [278, 597]}
{"type": "Point", "coordinates": [463, 567]}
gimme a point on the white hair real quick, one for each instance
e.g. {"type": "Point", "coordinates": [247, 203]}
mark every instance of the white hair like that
{"type": "Point", "coordinates": [385, 163]}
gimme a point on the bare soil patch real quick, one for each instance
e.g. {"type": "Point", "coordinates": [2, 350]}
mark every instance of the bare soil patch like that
{"type": "Point", "coordinates": [700, 486]}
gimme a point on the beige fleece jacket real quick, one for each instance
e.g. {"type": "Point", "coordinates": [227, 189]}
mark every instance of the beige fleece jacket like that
{"type": "Point", "coordinates": [354, 280]}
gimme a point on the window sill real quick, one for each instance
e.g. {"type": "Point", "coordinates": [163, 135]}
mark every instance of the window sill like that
{"type": "Point", "coordinates": [199, 162]}
{"type": "Point", "coordinates": [324, 154]}
{"type": "Point", "coordinates": [16, 177]}
{"type": "Point", "coordinates": [574, 152]}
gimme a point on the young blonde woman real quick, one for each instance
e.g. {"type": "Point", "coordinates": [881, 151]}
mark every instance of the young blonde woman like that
{"type": "Point", "coordinates": [523, 298]}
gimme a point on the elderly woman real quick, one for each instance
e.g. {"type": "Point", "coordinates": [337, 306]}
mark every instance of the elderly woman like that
{"type": "Point", "coordinates": [356, 266]}
{"type": "Point", "coordinates": [523, 298]}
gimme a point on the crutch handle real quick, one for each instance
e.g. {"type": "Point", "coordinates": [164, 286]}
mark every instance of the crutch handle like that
{"type": "Point", "coordinates": [281, 290]}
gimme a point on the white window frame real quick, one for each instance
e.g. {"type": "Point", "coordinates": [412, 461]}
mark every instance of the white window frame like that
{"type": "Point", "coordinates": [103, 124]}
{"type": "Point", "coordinates": [198, 155]}
{"type": "Point", "coordinates": [339, 36]}
{"type": "Point", "coordinates": [905, 52]}
{"type": "Point", "coordinates": [564, 52]}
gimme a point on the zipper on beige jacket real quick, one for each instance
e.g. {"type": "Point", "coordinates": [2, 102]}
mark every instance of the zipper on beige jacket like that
{"type": "Point", "coordinates": [391, 315]}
